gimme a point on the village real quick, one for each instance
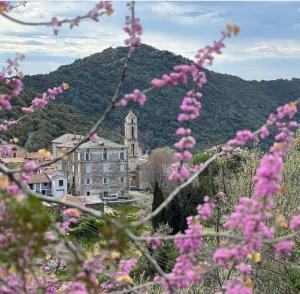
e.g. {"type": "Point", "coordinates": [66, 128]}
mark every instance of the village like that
{"type": "Point", "coordinates": [98, 172]}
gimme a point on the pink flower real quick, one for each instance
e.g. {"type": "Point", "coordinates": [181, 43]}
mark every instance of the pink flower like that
{"type": "Point", "coordinates": [205, 210]}
{"type": "Point", "coordinates": [283, 247]}
{"type": "Point", "coordinates": [295, 223]}
{"type": "Point", "coordinates": [244, 268]}
{"type": "Point", "coordinates": [153, 242]}
{"type": "Point", "coordinates": [13, 190]}
{"type": "Point", "coordinates": [264, 132]}
{"type": "Point", "coordinates": [94, 137]}
{"type": "Point", "coordinates": [31, 165]}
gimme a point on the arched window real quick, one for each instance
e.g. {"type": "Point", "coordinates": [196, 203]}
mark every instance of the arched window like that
{"type": "Point", "coordinates": [132, 149]}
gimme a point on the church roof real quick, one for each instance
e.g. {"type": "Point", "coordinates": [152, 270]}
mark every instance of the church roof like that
{"type": "Point", "coordinates": [70, 140]}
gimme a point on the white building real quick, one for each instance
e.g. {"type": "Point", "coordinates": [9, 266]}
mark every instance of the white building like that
{"type": "Point", "coordinates": [50, 182]}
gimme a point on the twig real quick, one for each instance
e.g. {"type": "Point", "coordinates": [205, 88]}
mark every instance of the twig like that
{"type": "Point", "coordinates": [149, 258]}
{"type": "Point", "coordinates": [45, 23]}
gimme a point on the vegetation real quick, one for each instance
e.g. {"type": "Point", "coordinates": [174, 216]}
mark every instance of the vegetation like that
{"type": "Point", "coordinates": [229, 103]}
{"type": "Point", "coordinates": [36, 131]}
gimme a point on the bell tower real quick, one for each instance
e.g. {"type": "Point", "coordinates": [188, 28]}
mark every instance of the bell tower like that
{"type": "Point", "coordinates": [131, 135]}
{"type": "Point", "coordinates": [131, 142]}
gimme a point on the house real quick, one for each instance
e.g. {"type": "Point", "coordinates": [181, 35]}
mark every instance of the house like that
{"type": "Point", "coordinates": [97, 168]}
{"type": "Point", "coordinates": [16, 150]}
{"type": "Point", "coordinates": [49, 182]}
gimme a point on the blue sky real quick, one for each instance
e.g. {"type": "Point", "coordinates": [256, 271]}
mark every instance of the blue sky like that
{"type": "Point", "coordinates": [268, 46]}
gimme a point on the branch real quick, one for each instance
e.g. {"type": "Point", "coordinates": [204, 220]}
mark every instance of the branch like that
{"type": "Point", "coordinates": [149, 258]}
{"type": "Point", "coordinates": [46, 23]}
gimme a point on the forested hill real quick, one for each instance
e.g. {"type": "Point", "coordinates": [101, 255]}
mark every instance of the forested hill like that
{"type": "Point", "coordinates": [37, 130]}
{"type": "Point", "coordinates": [229, 103]}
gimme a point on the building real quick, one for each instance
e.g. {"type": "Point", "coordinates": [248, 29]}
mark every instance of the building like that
{"type": "Point", "coordinates": [96, 168]}
{"type": "Point", "coordinates": [135, 156]}
{"type": "Point", "coordinates": [49, 182]}
{"type": "Point", "coordinates": [16, 150]}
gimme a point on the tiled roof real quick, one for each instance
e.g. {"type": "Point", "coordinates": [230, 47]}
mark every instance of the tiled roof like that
{"type": "Point", "coordinates": [14, 160]}
{"type": "Point", "coordinates": [39, 178]}
{"type": "Point", "coordinates": [70, 140]}
{"type": "Point", "coordinates": [34, 155]}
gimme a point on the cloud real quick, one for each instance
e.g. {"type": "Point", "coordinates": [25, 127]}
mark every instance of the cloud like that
{"type": "Point", "coordinates": [188, 14]}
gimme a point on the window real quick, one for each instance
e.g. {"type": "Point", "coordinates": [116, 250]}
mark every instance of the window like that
{"type": "Point", "coordinates": [122, 156]}
{"type": "Point", "coordinates": [122, 168]}
{"type": "Point", "coordinates": [132, 149]}
{"type": "Point", "coordinates": [59, 165]}
{"type": "Point", "coordinates": [88, 193]}
{"type": "Point", "coordinates": [45, 184]}
{"type": "Point", "coordinates": [31, 186]}
{"type": "Point", "coordinates": [61, 183]}
{"type": "Point", "coordinates": [88, 168]}
{"type": "Point", "coordinates": [105, 181]}
{"type": "Point", "coordinates": [73, 168]}
{"type": "Point", "coordinates": [104, 155]}
{"type": "Point", "coordinates": [15, 154]}
{"type": "Point", "coordinates": [105, 167]}
{"type": "Point", "coordinates": [122, 180]}
{"type": "Point", "coordinates": [105, 194]}
{"type": "Point", "coordinates": [78, 156]}
{"type": "Point", "coordinates": [87, 156]}
{"type": "Point", "coordinates": [122, 193]}
{"type": "Point", "coordinates": [132, 132]}
{"type": "Point", "coordinates": [88, 181]}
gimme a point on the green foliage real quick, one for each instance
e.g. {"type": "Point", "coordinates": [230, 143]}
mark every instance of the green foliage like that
{"type": "Point", "coordinates": [200, 158]}
{"type": "Point", "coordinates": [165, 255]}
{"type": "Point", "coordinates": [28, 227]}
{"type": "Point", "coordinates": [229, 103]}
{"type": "Point", "coordinates": [294, 277]}
{"type": "Point", "coordinates": [158, 198]}
{"type": "Point", "coordinates": [36, 131]}
{"type": "Point", "coordinates": [87, 231]}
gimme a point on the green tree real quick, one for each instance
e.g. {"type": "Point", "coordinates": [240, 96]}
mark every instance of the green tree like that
{"type": "Point", "coordinates": [158, 198]}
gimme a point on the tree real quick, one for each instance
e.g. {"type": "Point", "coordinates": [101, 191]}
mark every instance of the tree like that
{"type": "Point", "coordinates": [155, 170]}
{"type": "Point", "coordinates": [158, 198]}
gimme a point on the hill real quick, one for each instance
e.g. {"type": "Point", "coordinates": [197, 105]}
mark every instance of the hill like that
{"type": "Point", "coordinates": [39, 129]}
{"type": "Point", "coordinates": [229, 103]}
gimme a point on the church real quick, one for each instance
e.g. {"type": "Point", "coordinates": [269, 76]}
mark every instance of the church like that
{"type": "Point", "coordinates": [103, 167]}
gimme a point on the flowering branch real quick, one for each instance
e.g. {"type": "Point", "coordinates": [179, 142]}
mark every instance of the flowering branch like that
{"type": "Point", "coordinates": [101, 8]}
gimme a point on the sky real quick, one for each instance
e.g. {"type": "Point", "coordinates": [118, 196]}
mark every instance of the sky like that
{"type": "Point", "coordinates": [267, 48]}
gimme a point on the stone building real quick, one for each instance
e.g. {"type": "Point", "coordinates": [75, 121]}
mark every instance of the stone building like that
{"type": "Point", "coordinates": [96, 168]}
{"type": "Point", "coordinates": [135, 157]}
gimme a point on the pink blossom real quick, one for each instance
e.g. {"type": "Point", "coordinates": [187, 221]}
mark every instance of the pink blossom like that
{"type": "Point", "coordinates": [153, 242]}
{"type": "Point", "coordinates": [31, 165]}
{"type": "Point", "coordinates": [235, 286]}
{"type": "Point", "coordinates": [283, 247]}
{"type": "Point", "coordinates": [244, 268]}
{"type": "Point", "coordinates": [205, 210]}
{"type": "Point", "coordinates": [13, 190]}
{"type": "Point", "coordinates": [94, 137]}
{"type": "Point", "coordinates": [264, 132]}
{"type": "Point", "coordinates": [295, 223]}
